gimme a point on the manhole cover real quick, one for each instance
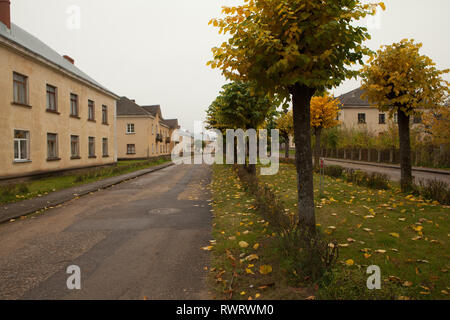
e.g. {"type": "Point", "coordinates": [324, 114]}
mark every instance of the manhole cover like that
{"type": "Point", "coordinates": [164, 211]}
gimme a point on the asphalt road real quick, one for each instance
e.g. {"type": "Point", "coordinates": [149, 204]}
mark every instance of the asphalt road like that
{"type": "Point", "coordinates": [393, 173]}
{"type": "Point", "coordinates": [137, 240]}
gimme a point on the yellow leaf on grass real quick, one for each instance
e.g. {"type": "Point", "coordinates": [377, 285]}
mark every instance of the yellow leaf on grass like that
{"type": "Point", "coordinates": [265, 269]}
{"type": "Point", "coordinates": [256, 246]}
{"type": "Point", "coordinates": [395, 235]}
{"type": "Point", "coordinates": [209, 248]}
{"type": "Point", "coordinates": [407, 284]}
{"type": "Point", "coordinates": [252, 257]}
{"type": "Point", "coordinates": [243, 244]}
{"type": "Point", "coordinates": [249, 271]}
{"type": "Point", "coordinates": [349, 262]}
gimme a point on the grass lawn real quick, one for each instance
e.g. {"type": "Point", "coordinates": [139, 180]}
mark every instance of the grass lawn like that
{"type": "Point", "coordinates": [35, 188]}
{"type": "Point", "coordinates": [243, 247]}
{"type": "Point", "coordinates": [405, 236]}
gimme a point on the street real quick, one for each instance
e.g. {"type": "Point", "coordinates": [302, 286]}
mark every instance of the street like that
{"type": "Point", "coordinates": [141, 239]}
{"type": "Point", "coordinates": [392, 173]}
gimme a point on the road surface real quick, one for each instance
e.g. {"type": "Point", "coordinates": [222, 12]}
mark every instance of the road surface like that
{"type": "Point", "coordinates": [393, 173]}
{"type": "Point", "coordinates": [141, 239]}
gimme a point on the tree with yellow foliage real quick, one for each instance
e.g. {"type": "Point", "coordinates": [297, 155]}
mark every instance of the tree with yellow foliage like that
{"type": "Point", "coordinates": [324, 113]}
{"type": "Point", "coordinates": [437, 125]}
{"type": "Point", "coordinates": [293, 48]}
{"type": "Point", "coordinates": [400, 80]}
{"type": "Point", "coordinates": [285, 124]}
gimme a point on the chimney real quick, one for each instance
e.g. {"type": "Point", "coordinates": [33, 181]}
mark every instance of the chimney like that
{"type": "Point", "coordinates": [68, 58]}
{"type": "Point", "coordinates": [5, 12]}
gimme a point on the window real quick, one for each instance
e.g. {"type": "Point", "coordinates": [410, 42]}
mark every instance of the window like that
{"type": "Point", "coordinates": [91, 147]}
{"type": "Point", "coordinates": [91, 110]}
{"type": "Point", "coordinates": [131, 149]}
{"type": "Point", "coordinates": [51, 98]}
{"type": "Point", "coordinates": [130, 128]}
{"type": "Point", "coordinates": [21, 145]}
{"type": "Point", "coordinates": [73, 105]}
{"type": "Point", "coordinates": [417, 119]}
{"type": "Point", "coordinates": [75, 147]}
{"type": "Point", "coordinates": [361, 118]}
{"type": "Point", "coordinates": [52, 146]}
{"type": "Point", "coordinates": [396, 118]}
{"type": "Point", "coordinates": [153, 129]}
{"type": "Point", "coordinates": [105, 147]}
{"type": "Point", "coordinates": [104, 114]}
{"type": "Point", "coordinates": [382, 118]}
{"type": "Point", "coordinates": [20, 88]}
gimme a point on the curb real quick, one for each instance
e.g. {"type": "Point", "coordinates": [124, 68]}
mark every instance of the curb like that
{"type": "Point", "coordinates": [26, 207]}
{"type": "Point", "coordinates": [445, 172]}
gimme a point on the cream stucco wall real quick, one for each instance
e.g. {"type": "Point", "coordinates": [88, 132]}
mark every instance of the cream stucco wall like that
{"type": "Point", "coordinates": [349, 118]}
{"type": "Point", "coordinates": [144, 138]}
{"type": "Point", "coordinates": [39, 122]}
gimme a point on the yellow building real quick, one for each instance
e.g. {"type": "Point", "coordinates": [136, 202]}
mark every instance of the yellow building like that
{"type": "Point", "coordinates": [53, 117]}
{"type": "Point", "coordinates": [142, 132]}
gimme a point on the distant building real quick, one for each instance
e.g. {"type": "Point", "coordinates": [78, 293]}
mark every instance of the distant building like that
{"type": "Point", "coordinates": [357, 112]}
{"type": "Point", "coordinates": [53, 116]}
{"type": "Point", "coordinates": [142, 132]}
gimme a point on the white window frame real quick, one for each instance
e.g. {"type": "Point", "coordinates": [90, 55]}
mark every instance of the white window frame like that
{"type": "Point", "coordinates": [56, 151]}
{"type": "Point", "coordinates": [105, 145]}
{"type": "Point", "coordinates": [72, 155]}
{"type": "Point", "coordinates": [129, 126]}
{"type": "Point", "coordinates": [19, 141]}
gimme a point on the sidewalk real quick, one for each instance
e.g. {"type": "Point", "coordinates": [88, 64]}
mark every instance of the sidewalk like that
{"type": "Point", "coordinates": [391, 166]}
{"type": "Point", "coordinates": [26, 207]}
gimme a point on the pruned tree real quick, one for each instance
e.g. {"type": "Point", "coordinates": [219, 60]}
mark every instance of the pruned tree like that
{"type": "Point", "coordinates": [324, 113]}
{"type": "Point", "coordinates": [294, 47]}
{"type": "Point", "coordinates": [285, 124]}
{"type": "Point", "coordinates": [240, 105]}
{"type": "Point", "coordinates": [400, 80]}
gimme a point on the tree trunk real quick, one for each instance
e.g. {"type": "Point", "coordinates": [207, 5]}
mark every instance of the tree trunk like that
{"type": "Point", "coordinates": [317, 133]}
{"type": "Point", "coordinates": [301, 100]}
{"type": "Point", "coordinates": [286, 146]}
{"type": "Point", "coordinates": [360, 155]}
{"type": "Point", "coordinates": [379, 156]}
{"type": "Point", "coordinates": [405, 151]}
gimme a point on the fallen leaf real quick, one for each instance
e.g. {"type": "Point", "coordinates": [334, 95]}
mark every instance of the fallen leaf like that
{"type": "Point", "coordinates": [243, 244]}
{"type": "Point", "coordinates": [349, 262]}
{"type": "Point", "coordinates": [407, 284]}
{"type": "Point", "coordinates": [265, 269]}
{"type": "Point", "coordinates": [394, 234]}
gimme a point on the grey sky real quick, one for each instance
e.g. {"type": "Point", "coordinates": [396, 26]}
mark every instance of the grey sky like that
{"type": "Point", "coordinates": [155, 51]}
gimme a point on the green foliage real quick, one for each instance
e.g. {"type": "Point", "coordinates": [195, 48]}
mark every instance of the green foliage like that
{"type": "Point", "coordinates": [370, 180]}
{"type": "Point", "coordinates": [310, 255]}
{"type": "Point", "coordinates": [436, 190]}
{"type": "Point", "coordinates": [334, 171]}
{"type": "Point", "coordinates": [239, 106]}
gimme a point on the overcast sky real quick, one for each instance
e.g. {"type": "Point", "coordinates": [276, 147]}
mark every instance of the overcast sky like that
{"type": "Point", "coordinates": [155, 51]}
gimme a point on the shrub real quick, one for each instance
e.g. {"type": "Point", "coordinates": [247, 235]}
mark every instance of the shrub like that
{"type": "Point", "coordinates": [435, 190]}
{"type": "Point", "coordinates": [23, 188]}
{"type": "Point", "coordinates": [267, 203]}
{"type": "Point", "coordinates": [308, 254]}
{"type": "Point", "coordinates": [8, 190]}
{"type": "Point", "coordinates": [370, 180]}
{"type": "Point", "coordinates": [334, 171]}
